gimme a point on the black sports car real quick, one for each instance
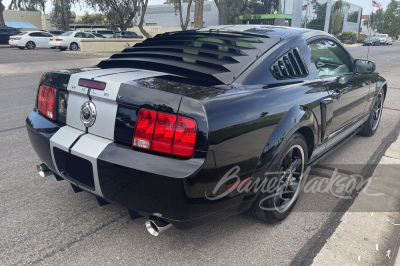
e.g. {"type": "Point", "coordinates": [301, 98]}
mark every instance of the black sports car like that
{"type": "Point", "coordinates": [179, 127]}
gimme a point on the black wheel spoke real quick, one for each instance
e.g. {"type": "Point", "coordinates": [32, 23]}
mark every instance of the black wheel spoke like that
{"type": "Point", "coordinates": [289, 178]}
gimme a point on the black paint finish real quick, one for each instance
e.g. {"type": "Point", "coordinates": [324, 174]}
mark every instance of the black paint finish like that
{"type": "Point", "coordinates": [242, 124]}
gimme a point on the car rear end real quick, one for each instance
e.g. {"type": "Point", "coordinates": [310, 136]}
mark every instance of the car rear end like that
{"type": "Point", "coordinates": [145, 148]}
{"type": "Point", "coordinates": [18, 40]}
{"type": "Point", "coordinates": [382, 38]}
{"type": "Point", "coordinates": [58, 42]}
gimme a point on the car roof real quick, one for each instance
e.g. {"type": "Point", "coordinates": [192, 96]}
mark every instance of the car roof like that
{"type": "Point", "coordinates": [266, 30]}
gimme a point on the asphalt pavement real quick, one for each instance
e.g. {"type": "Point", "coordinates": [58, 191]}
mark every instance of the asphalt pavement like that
{"type": "Point", "coordinates": [44, 222]}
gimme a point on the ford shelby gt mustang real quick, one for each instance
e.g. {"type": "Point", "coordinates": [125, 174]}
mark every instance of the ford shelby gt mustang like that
{"type": "Point", "coordinates": [176, 127]}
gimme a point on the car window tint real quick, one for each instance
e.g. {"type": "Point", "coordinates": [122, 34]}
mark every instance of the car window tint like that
{"type": "Point", "coordinates": [33, 34]}
{"type": "Point", "coordinates": [329, 58]}
{"type": "Point", "coordinates": [79, 35]}
{"type": "Point", "coordinates": [47, 34]}
{"type": "Point", "coordinates": [68, 33]}
{"type": "Point", "coordinates": [88, 35]}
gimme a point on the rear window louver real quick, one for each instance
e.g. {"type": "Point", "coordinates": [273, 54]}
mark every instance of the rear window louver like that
{"type": "Point", "coordinates": [290, 65]}
{"type": "Point", "coordinates": [217, 57]}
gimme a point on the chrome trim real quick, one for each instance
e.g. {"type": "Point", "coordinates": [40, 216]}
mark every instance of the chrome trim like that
{"type": "Point", "coordinates": [88, 114]}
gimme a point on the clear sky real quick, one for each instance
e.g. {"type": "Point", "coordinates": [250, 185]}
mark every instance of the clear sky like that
{"type": "Point", "coordinates": [80, 10]}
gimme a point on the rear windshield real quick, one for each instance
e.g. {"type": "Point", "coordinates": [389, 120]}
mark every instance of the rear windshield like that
{"type": "Point", "coordinates": [105, 31]}
{"type": "Point", "coordinates": [68, 33]}
{"type": "Point", "coordinates": [21, 33]}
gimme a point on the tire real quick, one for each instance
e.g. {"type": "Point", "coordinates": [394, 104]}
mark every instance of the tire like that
{"type": "Point", "coordinates": [30, 45]}
{"type": "Point", "coordinates": [21, 47]}
{"type": "Point", "coordinates": [63, 49]}
{"type": "Point", "coordinates": [273, 206]}
{"type": "Point", "coordinates": [74, 46]}
{"type": "Point", "coordinates": [371, 125]}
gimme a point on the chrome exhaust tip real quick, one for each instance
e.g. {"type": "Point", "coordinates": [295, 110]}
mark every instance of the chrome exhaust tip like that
{"type": "Point", "coordinates": [43, 170]}
{"type": "Point", "coordinates": [156, 226]}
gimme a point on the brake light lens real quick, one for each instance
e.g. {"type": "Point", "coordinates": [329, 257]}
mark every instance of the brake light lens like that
{"type": "Point", "coordinates": [144, 129]}
{"type": "Point", "coordinates": [97, 85]}
{"type": "Point", "coordinates": [46, 101]}
{"type": "Point", "coordinates": [59, 40]}
{"type": "Point", "coordinates": [165, 133]}
{"type": "Point", "coordinates": [18, 38]}
{"type": "Point", "coordinates": [185, 137]}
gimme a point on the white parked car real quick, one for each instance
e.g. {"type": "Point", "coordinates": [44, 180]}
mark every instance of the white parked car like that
{"type": "Point", "coordinates": [70, 40]}
{"type": "Point", "coordinates": [383, 38]}
{"type": "Point", "coordinates": [31, 40]}
{"type": "Point", "coordinates": [105, 33]}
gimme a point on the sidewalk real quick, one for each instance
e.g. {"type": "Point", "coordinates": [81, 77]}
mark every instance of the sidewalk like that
{"type": "Point", "coordinates": [370, 238]}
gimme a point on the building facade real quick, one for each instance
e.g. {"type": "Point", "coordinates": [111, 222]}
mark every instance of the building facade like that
{"type": "Point", "coordinates": [38, 20]}
{"type": "Point", "coordinates": [326, 15]}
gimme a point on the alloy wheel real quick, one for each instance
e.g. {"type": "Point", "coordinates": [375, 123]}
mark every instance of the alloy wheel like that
{"type": "Point", "coordinates": [289, 179]}
{"type": "Point", "coordinates": [377, 111]}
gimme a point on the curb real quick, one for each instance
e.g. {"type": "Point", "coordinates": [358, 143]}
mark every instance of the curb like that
{"type": "Point", "coordinates": [365, 238]}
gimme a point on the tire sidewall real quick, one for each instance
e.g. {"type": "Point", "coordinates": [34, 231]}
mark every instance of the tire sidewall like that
{"type": "Point", "coordinates": [30, 42]}
{"type": "Point", "coordinates": [295, 139]}
{"type": "Point", "coordinates": [74, 45]}
{"type": "Point", "coordinates": [372, 113]}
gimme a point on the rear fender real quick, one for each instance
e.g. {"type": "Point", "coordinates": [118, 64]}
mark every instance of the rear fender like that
{"type": "Point", "coordinates": [297, 117]}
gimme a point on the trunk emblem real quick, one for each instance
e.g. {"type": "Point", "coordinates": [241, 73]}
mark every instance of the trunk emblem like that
{"type": "Point", "coordinates": [88, 114]}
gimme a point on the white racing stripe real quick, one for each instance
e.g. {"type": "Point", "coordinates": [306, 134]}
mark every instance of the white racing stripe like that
{"type": "Point", "coordinates": [105, 101]}
{"type": "Point", "coordinates": [63, 139]}
{"type": "Point", "coordinates": [89, 147]}
{"type": "Point", "coordinates": [101, 134]}
{"type": "Point", "coordinates": [78, 95]}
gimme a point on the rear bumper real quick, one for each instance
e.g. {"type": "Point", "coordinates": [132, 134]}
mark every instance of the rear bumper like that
{"type": "Point", "coordinates": [148, 184]}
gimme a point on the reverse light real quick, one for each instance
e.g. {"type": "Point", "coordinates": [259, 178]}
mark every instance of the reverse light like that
{"type": "Point", "coordinates": [97, 85]}
{"type": "Point", "coordinates": [165, 133]}
{"type": "Point", "coordinates": [46, 101]}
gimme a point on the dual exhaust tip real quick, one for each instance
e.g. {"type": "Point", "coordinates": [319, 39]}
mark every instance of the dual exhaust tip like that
{"type": "Point", "coordinates": [155, 226]}
{"type": "Point", "coordinates": [43, 170]}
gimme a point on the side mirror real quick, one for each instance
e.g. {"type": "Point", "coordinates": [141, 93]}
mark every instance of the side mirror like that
{"type": "Point", "coordinates": [364, 66]}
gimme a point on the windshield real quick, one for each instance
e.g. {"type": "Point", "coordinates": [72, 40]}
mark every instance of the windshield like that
{"type": "Point", "coordinates": [68, 33]}
{"type": "Point", "coordinates": [381, 36]}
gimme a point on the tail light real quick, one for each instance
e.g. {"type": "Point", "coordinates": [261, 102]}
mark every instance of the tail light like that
{"type": "Point", "coordinates": [18, 38]}
{"type": "Point", "coordinates": [46, 101]}
{"type": "Point", "coordinates": [165, 133]}
{"type": "Point", "coordinates": [51, 40]}
{"type": "Point", "coordinates": [59, 40]}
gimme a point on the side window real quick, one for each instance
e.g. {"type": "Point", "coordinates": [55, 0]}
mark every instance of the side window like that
{"type": "Point", "coordinates": [79, 35]}
{"type": "Point", "coordinates": [88, 35]}
{"type": "Point", "coordinates": [34, 34]}
{"type": "Point", "coordinates": [46, 35]}
{"type": "Point", "coordinates": [329, 58]}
